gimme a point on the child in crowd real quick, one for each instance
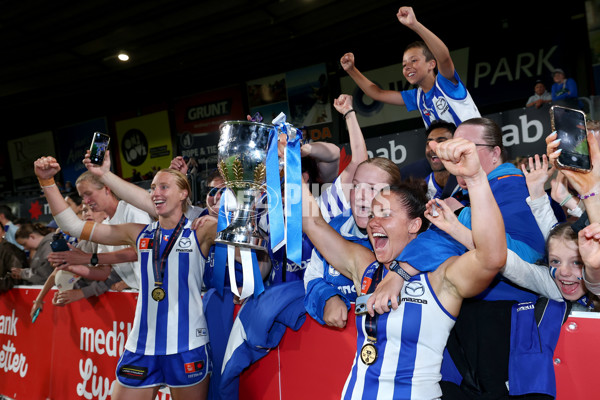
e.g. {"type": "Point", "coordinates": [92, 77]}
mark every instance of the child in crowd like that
{"type": "Point", "coordinates": [438, 95]}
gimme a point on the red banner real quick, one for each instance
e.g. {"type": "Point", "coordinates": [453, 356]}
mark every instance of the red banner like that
{"type": "Point", "coordinates": [71, 353]}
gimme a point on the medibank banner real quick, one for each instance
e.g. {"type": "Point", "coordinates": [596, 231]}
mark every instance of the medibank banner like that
{"type": "Point", "coordinates": [144, 143]}
{"type": "Point", "coordinates": [204, 112]}
{"type": "Point", "coordinates": [69, 352]}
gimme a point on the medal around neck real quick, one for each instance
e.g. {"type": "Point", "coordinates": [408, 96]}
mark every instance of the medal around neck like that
{"type": "Point", "coordinates": [158, 293]}
{"type": "Point", "coordinates": [368, 354]}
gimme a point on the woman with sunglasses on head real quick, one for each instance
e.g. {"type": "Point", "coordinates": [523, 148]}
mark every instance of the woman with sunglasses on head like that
{"type": "Point", "coordinates": [169, 330]}
{"type": "Point", "coordinates": [399, 352]}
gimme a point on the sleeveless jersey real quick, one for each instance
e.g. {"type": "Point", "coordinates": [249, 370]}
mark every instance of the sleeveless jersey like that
{"type": "Point", "coordinates": [175, 324]}
{"type": "Point", "coordinates": [410, 344]}
{"type": "Point", "coordinates": [445, 101]}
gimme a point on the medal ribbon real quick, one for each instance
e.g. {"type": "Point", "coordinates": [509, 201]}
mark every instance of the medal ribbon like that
{"type": "Point", "coordinates": [371, 322]}
{"type": "Point", "coordinates": [159, 263]}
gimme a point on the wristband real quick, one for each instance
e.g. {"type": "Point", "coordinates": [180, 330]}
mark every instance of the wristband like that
{"type": "Point", "coordinates": [569, 197]}
{"type": "Point", "coordinates": [395, 266]}
{"type": "Point", "coordinates": [587, 195]}
{"type": "Point", "coordinates": [46, 182]}
{"type": "Point", "coordinates": [348, 112]}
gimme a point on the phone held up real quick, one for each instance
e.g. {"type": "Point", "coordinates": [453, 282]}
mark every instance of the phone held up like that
{"type": "Point", "coordinates": [98, 148]}
{"type": "Point", "coordinates": [59, 243]}
{"type": "Point", "coordinates": [571, 128]}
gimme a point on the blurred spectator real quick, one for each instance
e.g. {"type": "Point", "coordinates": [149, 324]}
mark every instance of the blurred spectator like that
{"type": "Point", "coordinates": [564, 90]}
{"type": "Point", "coordinates": [540, 96]}
{"type": "Point", "coordinates": [10, 257]}
{"type": "Point", "coordinates": [36, 238]}
{"type": "Point", "coordinates": [10, 228]}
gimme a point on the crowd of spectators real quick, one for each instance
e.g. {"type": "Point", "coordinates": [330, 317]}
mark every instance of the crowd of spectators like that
{"type": "Point", "coordinates": [477, 232]}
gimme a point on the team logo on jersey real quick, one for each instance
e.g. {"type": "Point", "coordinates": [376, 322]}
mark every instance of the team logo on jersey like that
{"type": "Point", "coordinates": [201, 332]}
{"type": "Point", "coordinates": [165, 238]}
{"type": "Point", "coordinates": [193, 366]}
{"type": "Point", "coordinates": [414, 289]}
{"type": "Point", "coordinates": [441, 104]}
{"type": "Point", "coordinates": [333, 272]}
{"type": "Point", "coordinates": [185, 242]}
{"type": "Point", "coordinates": [145, 244]}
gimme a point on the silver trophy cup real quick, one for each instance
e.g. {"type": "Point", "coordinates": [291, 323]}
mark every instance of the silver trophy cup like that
{"type": "Point", "coordinates": [241, 161]}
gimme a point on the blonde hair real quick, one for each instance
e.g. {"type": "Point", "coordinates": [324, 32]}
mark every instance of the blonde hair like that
{"type": "Point", "coordinates": [387, 166]}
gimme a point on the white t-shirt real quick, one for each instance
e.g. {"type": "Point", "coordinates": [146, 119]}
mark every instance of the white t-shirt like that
{"type": "Point", "coordinates": [125, 213]}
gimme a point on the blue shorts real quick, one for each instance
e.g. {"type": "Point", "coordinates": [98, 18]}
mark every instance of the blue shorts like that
{"type": "Point", "coordinates": [174, 370]}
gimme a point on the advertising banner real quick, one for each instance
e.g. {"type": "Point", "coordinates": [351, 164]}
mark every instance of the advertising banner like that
{"type": "Point", "coordinates": [303, 95]}
{"type": "Point", "coordinates": [23, 152]}
{"type": "Point", "coordinates": [204, 112]}
{"type": "Point", "coordinates": [523, 134]}
{"type": "Point", "coordinates": [145, 144]}
{"type": "Point", "coordinates": [71, 353]}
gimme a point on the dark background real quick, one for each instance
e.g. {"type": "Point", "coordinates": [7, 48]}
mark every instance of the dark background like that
{"type": "Point", "coordinates": [59, 67]}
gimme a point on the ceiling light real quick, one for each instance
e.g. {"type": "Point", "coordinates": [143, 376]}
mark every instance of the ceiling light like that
{"type": "Point", "coordinates": [123, 56]}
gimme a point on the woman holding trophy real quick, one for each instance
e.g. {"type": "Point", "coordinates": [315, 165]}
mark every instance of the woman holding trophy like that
{"type": "Point", "coordinates": [168, 344]}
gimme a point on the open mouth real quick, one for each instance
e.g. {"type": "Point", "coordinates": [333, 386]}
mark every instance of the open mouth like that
{"type": "Point", "coordinates": [380, 240]}
{"type": "Point", "coordinates": [363, 211]}
{"type": "Point", "coordinates": [569, 287]}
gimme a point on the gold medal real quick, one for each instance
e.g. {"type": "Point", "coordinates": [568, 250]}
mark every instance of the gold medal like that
{"type": "Point", "coordinates": [368, 354]}
{"type": "Point", "coordinates": [158, 293]}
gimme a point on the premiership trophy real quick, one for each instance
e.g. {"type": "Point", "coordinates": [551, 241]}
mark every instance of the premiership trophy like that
{"type": "Point", "coordinates": [242, 163]}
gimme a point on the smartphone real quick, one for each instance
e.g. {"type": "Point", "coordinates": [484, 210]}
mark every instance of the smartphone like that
{"type": "Point", "coordinates": [571, 128]}
{"type": "Point", "coordinates": [361, 304]}
{"type": "Point", "coordinates": [36, 314]}
{"type": "Point", "coordinates": [59, 243]}
{"type": "Point", "coordinates": [98, 148]}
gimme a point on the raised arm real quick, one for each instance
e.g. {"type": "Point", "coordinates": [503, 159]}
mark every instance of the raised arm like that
{"type": "Point", "coordinates": [343, 105]}
{"type": "Point", "coordinates": [125, 234]}
{"type": "Point", "coordinates": [445, 65]}
{"type": "Point", "coordinates": [589, 249]}
{"type": "Point", "coordinates": [368, 87]}
{"type": "Point", "coordinates": [587, 184]}
{"type": "Point", "coordinates": [327, 157]}
{"type": "Point", "coordinates": [131, 193]}
{"type": "Point", "coordinates": [348, 258]}
{"type": "Point", "coordinates": [538, 201]}
{"type": "Point", "coordinates": [469, 274]}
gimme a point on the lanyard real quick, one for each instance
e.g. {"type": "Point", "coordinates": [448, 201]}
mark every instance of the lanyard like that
{"type": "Point", "coordinates": [159, 263]}
{"type": "Point", "coordinates": [371, 322]}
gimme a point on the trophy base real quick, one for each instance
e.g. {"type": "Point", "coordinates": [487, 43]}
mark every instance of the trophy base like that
{"type": "Point", "coordinates": [241, 240]}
